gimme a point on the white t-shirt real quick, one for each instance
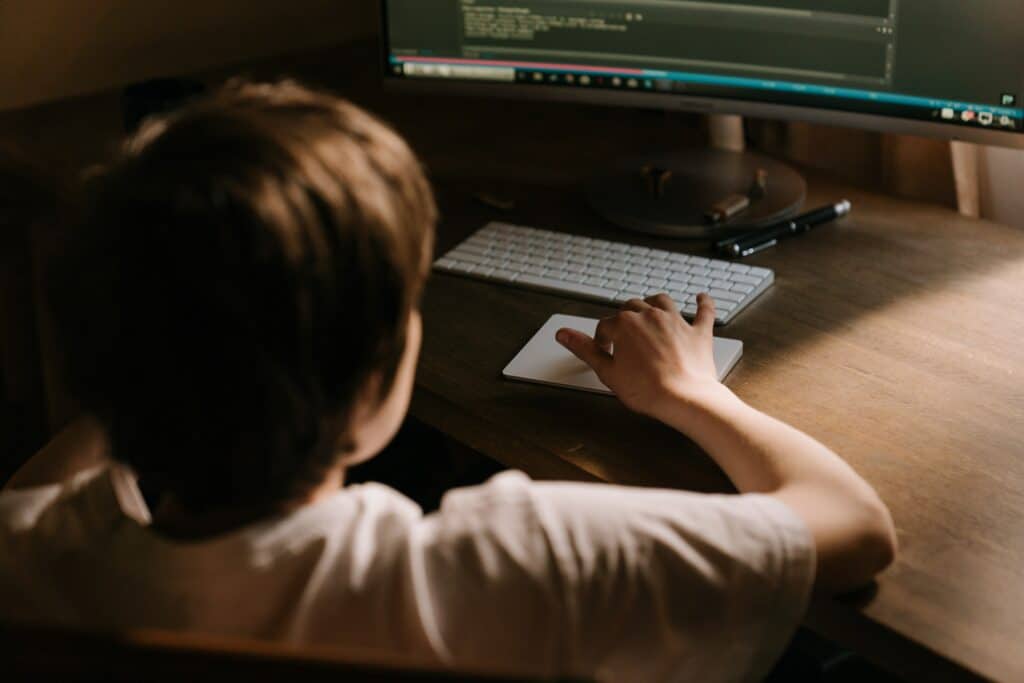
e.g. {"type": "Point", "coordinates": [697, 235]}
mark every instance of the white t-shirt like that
{"type": "Point", "coordinates": [515, 576]}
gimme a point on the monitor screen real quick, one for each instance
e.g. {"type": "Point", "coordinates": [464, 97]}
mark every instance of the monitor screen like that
{"type": "Point", "coordinates": [940, 61]}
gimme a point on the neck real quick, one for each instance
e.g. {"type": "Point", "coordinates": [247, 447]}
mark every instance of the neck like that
{"type": "Point", "coordinates": [172, 520]}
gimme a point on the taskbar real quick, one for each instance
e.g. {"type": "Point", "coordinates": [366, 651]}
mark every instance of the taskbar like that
{"type": "Point", "coordinates": [712, 85]}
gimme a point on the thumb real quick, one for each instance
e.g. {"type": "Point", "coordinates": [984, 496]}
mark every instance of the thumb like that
{"type": "Point", "coordinates": [584, 348]}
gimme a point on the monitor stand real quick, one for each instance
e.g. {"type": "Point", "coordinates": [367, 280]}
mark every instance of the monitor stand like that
{"type": "Point", "coordinates": [670, 196]}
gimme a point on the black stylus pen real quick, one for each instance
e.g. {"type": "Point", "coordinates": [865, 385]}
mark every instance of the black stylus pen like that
{"type": "Point", "coordinates": [751, 243]}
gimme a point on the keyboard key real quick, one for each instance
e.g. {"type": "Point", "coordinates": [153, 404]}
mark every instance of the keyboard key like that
{"type": "Point", "coordinates": [741, 288]}
{"type": "Point", "coordinates": [698, 271]}
{"type": "Point", "coordinates": [700, 281]}
{"type": "Point", "coordinates": [595, 281]}
{"type": "Point", "coordinates": [725, 305]}
{"type": "Point", "coordinates": [565, 287]}
{"type": "Point", "coordinates": [746, 279]}
{"type": "Point", "coordinates": [738, 268]}
{"type": "Point", "coordinates": [759, 272]}
{"type": "Point", "coordinates": [467, 256]}
{"type": "Point", "coordinates": [475, 248]}
{"type": "Point", "coordinates": [503, 275]}
{"type": "Point", "coordinates": [721, 284]}
{"type": "Point", "coordinates": [719, 294]}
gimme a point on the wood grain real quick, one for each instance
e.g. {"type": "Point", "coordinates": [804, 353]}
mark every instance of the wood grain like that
{"type": "Point", "coordinates": [33, 652]}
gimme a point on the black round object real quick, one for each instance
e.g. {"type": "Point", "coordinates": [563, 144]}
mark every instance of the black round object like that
{"type": "Point", "coordinates": [696, 181]}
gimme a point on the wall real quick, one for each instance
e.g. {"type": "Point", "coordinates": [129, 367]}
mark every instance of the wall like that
{"type": "Point", "coordinates": [59, 48]}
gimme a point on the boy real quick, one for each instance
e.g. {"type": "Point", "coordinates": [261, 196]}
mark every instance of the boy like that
{"type": "Point", "coordinates": [244, 324]}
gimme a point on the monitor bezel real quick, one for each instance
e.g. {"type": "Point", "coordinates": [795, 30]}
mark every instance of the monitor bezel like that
{"type": "Point", "coordinates": [699, 104]}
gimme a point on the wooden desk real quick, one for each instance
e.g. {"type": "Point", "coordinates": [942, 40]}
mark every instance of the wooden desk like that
{"type": "Point", "coordinates": [895, 337]}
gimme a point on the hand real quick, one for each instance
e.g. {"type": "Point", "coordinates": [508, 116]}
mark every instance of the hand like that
{"type": "Point", "coordinates": [650, 356]}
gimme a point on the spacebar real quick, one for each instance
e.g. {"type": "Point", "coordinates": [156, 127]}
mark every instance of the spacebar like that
{"type": "Point", "coordinates": [571, 288]}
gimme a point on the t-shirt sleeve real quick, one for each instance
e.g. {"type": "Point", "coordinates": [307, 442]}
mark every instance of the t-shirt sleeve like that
{"type": "Point", "coordinates": [21, 508]}
{"type": "Point", "coordinates": [622, 583]}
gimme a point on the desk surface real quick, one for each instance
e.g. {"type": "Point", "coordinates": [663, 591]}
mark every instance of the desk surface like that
{"type": "Point", "coordinates": [894, 337]}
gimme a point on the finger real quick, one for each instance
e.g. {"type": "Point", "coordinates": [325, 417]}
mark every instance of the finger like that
{"type": "Point", "coordinates": [636, 305]}
{"type": "Point", "coordinates": [664, 302]}
{"type": "Point", "coordinates": [584, 348]}
{"type": "Point", "coordinates": [705, 318]}
{"type": "Point", "coordinates": [604, 335]}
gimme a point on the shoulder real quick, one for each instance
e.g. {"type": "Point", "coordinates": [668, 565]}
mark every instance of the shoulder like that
{"type": "Point", "coordinates": [503, 511]}
{"type": "Point", "coordinates": [22, 509]}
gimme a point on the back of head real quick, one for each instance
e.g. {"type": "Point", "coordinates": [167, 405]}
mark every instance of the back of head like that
{"type": "Point", "coordinates": [245, 271]}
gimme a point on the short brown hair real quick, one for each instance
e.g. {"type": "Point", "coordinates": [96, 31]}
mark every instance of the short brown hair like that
{"type": "Point", "coordinates": [243, 270]}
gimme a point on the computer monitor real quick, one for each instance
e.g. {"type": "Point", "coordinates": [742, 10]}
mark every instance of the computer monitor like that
{"type": "Point", "coordinates": [945, 68]}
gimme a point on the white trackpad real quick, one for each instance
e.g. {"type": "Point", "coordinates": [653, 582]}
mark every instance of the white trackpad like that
{"type": "Point", "coordinates": [544, 361]}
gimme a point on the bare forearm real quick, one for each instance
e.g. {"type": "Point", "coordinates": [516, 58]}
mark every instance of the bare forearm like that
{"type": "Point", "coordinates": [852, 528]}
{"type": "Point", "coordinates": [664, 367]}
{"type": "Point", "coordinates": [759, 453]}
{"type": "Point", "coordinates": [80, 446]}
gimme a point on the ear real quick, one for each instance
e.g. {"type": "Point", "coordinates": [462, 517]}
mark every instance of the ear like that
{"type": "Point", "coordinates": [375, 419]}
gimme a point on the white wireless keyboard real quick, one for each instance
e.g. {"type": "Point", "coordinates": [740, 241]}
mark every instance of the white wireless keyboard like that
{"type": "Point", "coordinates": [599, 270]}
